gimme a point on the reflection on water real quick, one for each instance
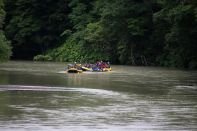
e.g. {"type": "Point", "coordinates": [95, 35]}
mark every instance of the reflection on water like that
{"type": "Point", "coordinates": [37, 96]}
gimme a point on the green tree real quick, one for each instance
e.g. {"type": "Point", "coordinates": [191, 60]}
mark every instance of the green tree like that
{"type": "Point", "coordinates": [125, 24]}
{"type": "Point", "coordinates": [34, 26]}
{"type": "Point", "coordinates": [77, 46]}
{"type": "Point", "coordinates": [5, 50]}
{"type": "Point", "coordinates": [136, 32]}
{"type": "Point", "coordinates": [174, 34]}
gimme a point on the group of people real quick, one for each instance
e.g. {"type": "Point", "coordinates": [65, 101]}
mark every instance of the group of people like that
{"type": "Point", "coordinates": [98, 65]}
{"type": "Point", "coordinates": [75, 65]}
{"type": "Point", "coordinates": [102, 64]}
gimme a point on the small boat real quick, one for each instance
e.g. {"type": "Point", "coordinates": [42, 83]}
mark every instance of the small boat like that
{"type": "Point", "coordinates": [74, 70]}
{"type": "Point", "coordinates": [97, 69]}
{"type": "Point", "coordinates": [86, 68]}
{"type": "Point", "coordinates": [78, 68]}
{"type": "Point", "coordinates": [107, 69]}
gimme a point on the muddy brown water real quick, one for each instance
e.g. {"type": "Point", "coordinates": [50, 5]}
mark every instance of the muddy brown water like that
{"type": "Point", "coordinates": [38, 96]}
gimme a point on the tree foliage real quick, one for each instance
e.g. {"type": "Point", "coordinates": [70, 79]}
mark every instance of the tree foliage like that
{"type": "Point", "coordinates": [175, 29]}
{"type": "Point", "coordinates": [136, 32]}
{"type": "Point", "coordinates": [34, 26]}
{"type": "Point", "coordinates": [5, 49]}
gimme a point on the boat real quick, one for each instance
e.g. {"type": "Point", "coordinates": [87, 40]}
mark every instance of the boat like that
{"type": "Point", "coordinates": [74, 70]}
{"type": "Point", "coordinates": [86, 68]}
{"type": "Point", "coordinates": [97, 69]}
{"type": "Point", "coordinates": [107, 69]}
{"type": "Point", "coordinates": [78, 68]}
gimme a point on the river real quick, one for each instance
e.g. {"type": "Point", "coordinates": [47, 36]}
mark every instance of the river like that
{"type": "Point", "coordinates": [36, 96]}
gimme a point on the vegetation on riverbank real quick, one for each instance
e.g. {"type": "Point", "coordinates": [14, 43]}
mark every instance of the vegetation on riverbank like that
{"type": "Point", "coordinates": [5, 50]}
{"type": "Point", "coordinates": [135, 32]}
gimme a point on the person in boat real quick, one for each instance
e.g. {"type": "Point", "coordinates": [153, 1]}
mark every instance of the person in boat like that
{"type": "Point", "coordinates": [102, 65]}
{"type": "Point", "coordinates": [77, 66]}
{"type": "Point", "coordinates": [108, 63]}
{"type": "Point", "coordinates": [70, 66]}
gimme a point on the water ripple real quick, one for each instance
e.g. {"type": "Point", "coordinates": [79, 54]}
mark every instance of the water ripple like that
{"type": "Point", "coordinates": [57, 89]}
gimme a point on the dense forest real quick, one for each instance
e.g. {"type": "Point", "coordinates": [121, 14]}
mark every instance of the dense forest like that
{"type": "Point", "coordinates": [5, 49]}
{"type": "Point", "coordinates": [133, 32]}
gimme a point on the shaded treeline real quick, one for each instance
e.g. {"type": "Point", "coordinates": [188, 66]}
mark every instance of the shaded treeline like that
{"type": "Point", "coordinates": [5, 50]}
{"type": "Point", "coordinates": [136, 32]}
{"type": "Point", "coordinates": [34, 26]}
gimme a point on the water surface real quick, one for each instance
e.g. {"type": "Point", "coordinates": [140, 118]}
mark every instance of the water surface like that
{"type": "Point", "coordinates": [40, 96]}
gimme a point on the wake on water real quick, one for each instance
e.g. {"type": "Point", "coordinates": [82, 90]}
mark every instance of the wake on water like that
{"type": "Point", "coordinates": [57, 89]}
